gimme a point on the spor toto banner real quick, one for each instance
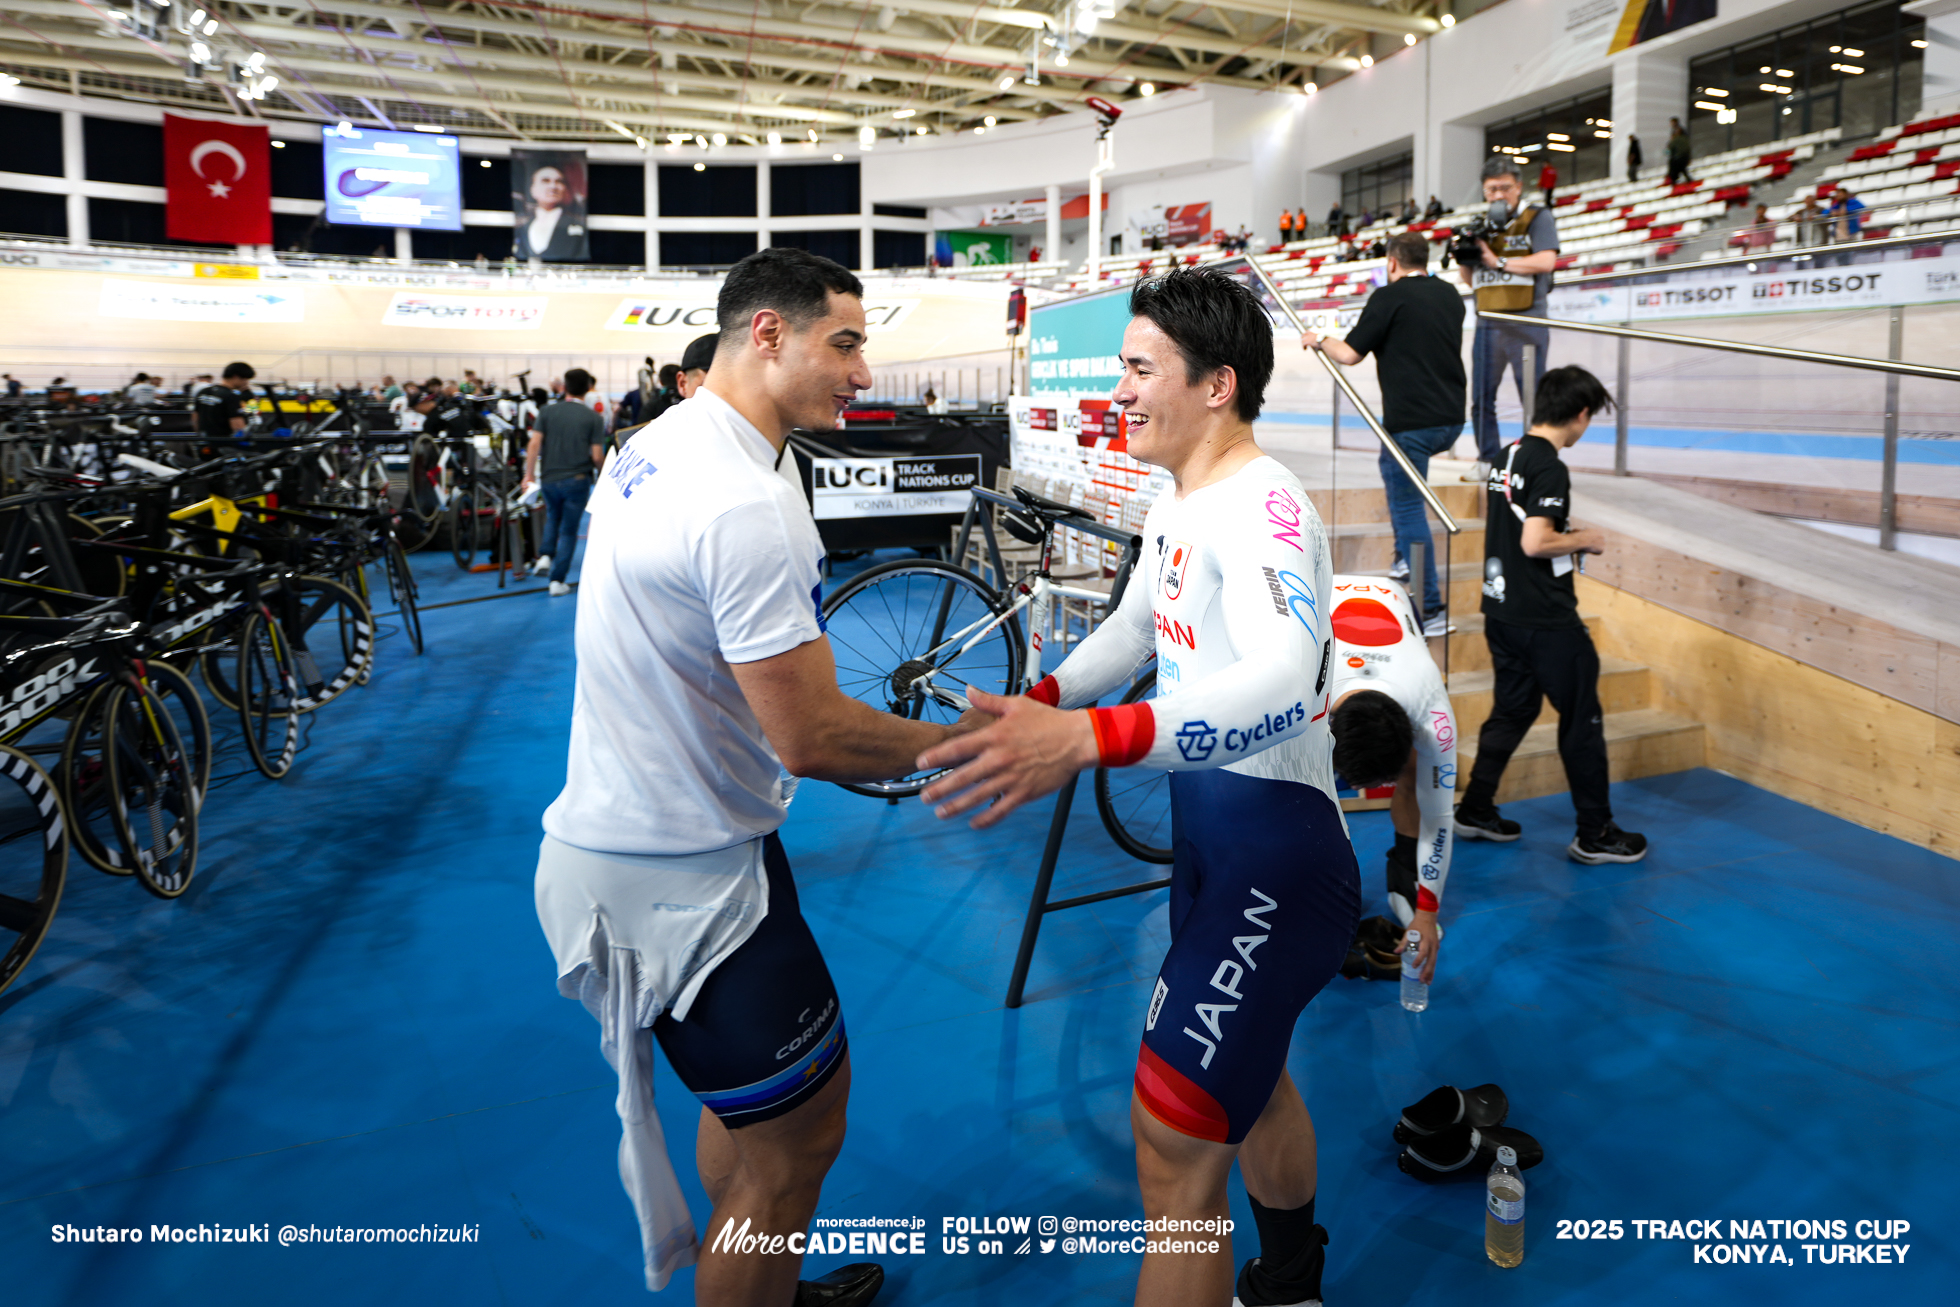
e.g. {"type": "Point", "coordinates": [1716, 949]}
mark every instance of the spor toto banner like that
{"type": "Point", "coordinates": [892, 487]}
{"type": "Point", "coordinates": [466, 312]}
{"type": "Point", "coordinates": [1856, 286]}
{"type": "Point", "coordinates": [696, 316]}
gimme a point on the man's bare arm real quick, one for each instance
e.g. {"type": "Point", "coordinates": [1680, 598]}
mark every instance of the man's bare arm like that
{"type": "Point", "coordinates": [822, 733]}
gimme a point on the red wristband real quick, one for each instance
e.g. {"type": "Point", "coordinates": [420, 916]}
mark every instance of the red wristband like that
{"type": "Point", "coordinates": [1124, 734]}
{"type": "Point", "coordinates": [1425, 901]}
{"type": "Point", "coordinates": [1048, 690]}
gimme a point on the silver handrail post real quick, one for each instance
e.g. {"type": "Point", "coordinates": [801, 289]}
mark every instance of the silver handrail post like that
{"type": "Point", "coordinates": [1344, 387]}
{"type": "Point", "coordinates": [1888, 501]}
{"type": "Point", "coordinates": [1528, 383]}
{"type": "Point", "coordinates": [1620, 412]}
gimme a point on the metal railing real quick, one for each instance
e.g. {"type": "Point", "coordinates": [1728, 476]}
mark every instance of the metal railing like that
{"type": "Point", "coordinates": [1893, 367]}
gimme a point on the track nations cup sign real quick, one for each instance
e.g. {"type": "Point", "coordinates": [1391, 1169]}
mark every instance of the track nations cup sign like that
{"type": "Point", "coordinates": [891, 487]}
{"type": "Point", "coordinates": [465, 312]}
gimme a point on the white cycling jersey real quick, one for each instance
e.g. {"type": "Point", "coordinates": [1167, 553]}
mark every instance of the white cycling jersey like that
{"type": "Point", "coordinates": [1378, 645]}
{"type": "Point", "coordinates": [1230, 598]}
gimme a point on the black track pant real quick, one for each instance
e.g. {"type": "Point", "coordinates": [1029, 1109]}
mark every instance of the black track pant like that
{"type": "Point", "coordinates": [1530, 665]}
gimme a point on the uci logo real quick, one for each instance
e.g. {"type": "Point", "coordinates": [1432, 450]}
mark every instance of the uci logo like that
{"type": "Point", "coordinates": [22, 260]}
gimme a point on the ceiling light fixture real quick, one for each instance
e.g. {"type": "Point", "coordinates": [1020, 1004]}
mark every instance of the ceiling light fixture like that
{"type": "Point", "coordinates": [837, 158]}
{"type": "Point", "coordinates": [210, 26]}
{"type": "Point", "coordinates": [1309, 88]}
{"type": "Point", "coordinates": [424, 127]}
{"type": "Point", "coordinates": [903, 113]}
{"type": "Point", "coordinates": [979, 131]}
{"type": "Point", "coordinates": [1061, 60]}
{"type": "Point", "coordinates": [1147, 89]}
{"type": "Point", "coordinates": [483, 163]}
{"type": "Point", "coordinates": [775, 138]}
{"type": "Point", "coordinates": [721, 138]}
{"type": "Point", "coordinates": [1007, 82]}
{"type": "Point", "coordinates": [1449, 20]}
{"type": "Point", "coordinates": [1367, 61]}
{"type": "Point", "coordinates": [278, 145]}
{"type": "Point", "coordinates": [197, 17]}
{"type": "Point", "coordinates": [1408, 38]}
{"type": "Point", "coordinates": [1557, 136]}
{"type": "Point", "coordinates": [920, 130]}
{"type": "Point", "coordinates": [700, 167]}
{"type": "Point", "coordinates": [1715, 91]}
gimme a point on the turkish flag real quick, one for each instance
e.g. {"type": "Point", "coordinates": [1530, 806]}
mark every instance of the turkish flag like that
{"type": "Point", "coordinates": [217, 179]}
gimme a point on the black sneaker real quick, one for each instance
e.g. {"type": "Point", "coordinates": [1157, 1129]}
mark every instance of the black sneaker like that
{"type": "Point", "coordinates": [1258, 1287]}
{"type": "Point", "coordinates": [1485, 825]}
{"type": "Point", "coordinates": [847, 1286]}
{"type": "Point", "coordinates": [1611, 845]}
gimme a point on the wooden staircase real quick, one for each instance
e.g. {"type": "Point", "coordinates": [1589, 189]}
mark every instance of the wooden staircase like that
{"type": "Point", "coordinates": [1640, 739]}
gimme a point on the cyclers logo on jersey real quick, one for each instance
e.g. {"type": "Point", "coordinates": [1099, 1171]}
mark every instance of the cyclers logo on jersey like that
{"type": "Point", "coordinates": [629, 468]}
{"type": "Point", "coordinates": [1283, 511]}
{"type": "Point", "coordinates": [1270, 727]}
{"type": "Point", "coordinates": [1228, 975]}
{"type": "Point", "coordinates": [1175, 569]}
{"type": "Point", "coordinates": [1432, 866]}
{"type": "Point", "coordinates": [1196, 740]}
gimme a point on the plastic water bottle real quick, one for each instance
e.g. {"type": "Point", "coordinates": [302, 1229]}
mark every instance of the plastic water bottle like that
{"type": "Point", "coordinates": [1415, 990]}
{"type": "Point", "coordinates": [1504, 1211]}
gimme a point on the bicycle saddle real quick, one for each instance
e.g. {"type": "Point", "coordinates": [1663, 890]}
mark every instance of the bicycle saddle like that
{"type": "Point", "coordinates": [1031, 522]}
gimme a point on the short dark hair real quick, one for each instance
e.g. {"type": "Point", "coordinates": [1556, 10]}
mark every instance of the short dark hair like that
{"type": "Point", "coordinates": [1564, 393]}
{"type": "Point", "coordinates": [668, 371]}
{"type": "Point", "coordinates": [244, 370]}
{"type": "Point", "coordinates": [1501, 165]}
{"type": "Point", "coordinates": [1216, 322]}
{"type": "Point", "coordinates": [1372, 738]}
{"type": "Point", "coordinates": [577, 381]}
{"type": "Point", "coordinates": [795, 283]}
{"type": "Point", "coordinates": [1410, 249]}
{"type": "Point", "coordinates": [699, 356]}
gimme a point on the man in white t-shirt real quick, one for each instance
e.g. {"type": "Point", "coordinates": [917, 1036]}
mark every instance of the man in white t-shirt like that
{"type": "Point", "coordinates": [704, 673]}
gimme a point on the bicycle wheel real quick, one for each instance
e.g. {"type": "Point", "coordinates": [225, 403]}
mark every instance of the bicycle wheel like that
{"type": "Point", "coordinates": [33, 859]}
{"type": "Point", "coordinates": [153, 790]}
{"type": "Point", "coordinates": [882, 626]}
{"type": "Point", "coordinates": [83, 773]}
{"type": "Point", "coordinates": [463, 529]}
{"type": "Point", "coordinates": [331, 634]}
{"type": "Point", "coordinates": [268, 695]}
{"type": "Point", "coordinates": [401, 584]}
{"type": "Point", "coordinates": [1135, 803]}
{"type": "Point", "coordinates": [420, 499]}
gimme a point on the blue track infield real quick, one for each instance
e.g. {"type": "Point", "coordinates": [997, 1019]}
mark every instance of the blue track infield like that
{"type": "Point", "coordinates": [350, 1021]}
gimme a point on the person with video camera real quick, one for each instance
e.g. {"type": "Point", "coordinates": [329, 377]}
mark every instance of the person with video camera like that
{"type": "Point", "coordinates": [1507, 258]}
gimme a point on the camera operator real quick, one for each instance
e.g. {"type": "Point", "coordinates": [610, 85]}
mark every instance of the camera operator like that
{"type": "Point", "coordinates": [1414, 328]}
{"type": "Point", "coordinates": [1511, 272]}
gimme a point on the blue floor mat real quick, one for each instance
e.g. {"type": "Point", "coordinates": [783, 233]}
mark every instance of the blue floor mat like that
{"type": "Point", "coordinates": [350, 1022]}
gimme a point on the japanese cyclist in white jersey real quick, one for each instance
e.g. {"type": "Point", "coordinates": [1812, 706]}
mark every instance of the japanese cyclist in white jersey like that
{"type": "Point", "coordinates": [1231, 599]}
{"type": "Point", "coordinates": [1392, 724]}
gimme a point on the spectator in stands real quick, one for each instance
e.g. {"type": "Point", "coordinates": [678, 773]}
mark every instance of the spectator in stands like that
{"type": "Point", "coordinates": [1414, 328]}
{"type": "Point", "coordinates": [1435, 209]}
{"type": "Point", "coordinates": [1548, 181]}
{"type": "Point", "coordinates": [1677, 153]}
{"type": "Point", "coordinates": [1847, 215]}
{"type": "Point", "coordinates": [389, 390]}
{"type": "Point", "coordinates": [1408, 210]}
{"type": "Point", "coordinates": [1336, 221]}
{"type": "Point", "coordinates": [934, 404]}
{"type": "Point", "coordinates": [1810, 222]}
{"type": "Point", "coordinates": [1762, 232]}
{"type": "Point", "coordinates": [1515, 278]}
{"type": "Point", "coordinates": [1633, 156]}
{"type": "Point", "coordinates": [566, 445]}
{"type": "Point", "coordinates": [700, 356]}
{"type": "Point", "coordinates": [1539, 646]}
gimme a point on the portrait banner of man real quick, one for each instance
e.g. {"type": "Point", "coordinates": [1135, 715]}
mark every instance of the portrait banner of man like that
{"type": "Point", "coordinates": [547, 194]}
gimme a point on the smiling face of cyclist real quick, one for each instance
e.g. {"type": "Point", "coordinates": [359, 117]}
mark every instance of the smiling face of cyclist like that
{"type": "Point", "coordinates": [548, 188]}
{"type": "Point", "coordinates": [819, 367]}
{"type": "Point", "coordinates": [1168, 415]}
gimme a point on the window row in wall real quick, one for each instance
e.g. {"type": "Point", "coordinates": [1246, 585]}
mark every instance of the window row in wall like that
{"type": "Point", "coordinates": [132, 153]}
{"type": "Point", "coordinates": [136, 222]}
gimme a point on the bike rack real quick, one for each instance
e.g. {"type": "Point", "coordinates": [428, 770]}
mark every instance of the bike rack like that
{"type": "Point", "coordinates": [1039, 904]}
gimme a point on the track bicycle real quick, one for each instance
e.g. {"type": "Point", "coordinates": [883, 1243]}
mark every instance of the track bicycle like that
{"type": "Point", "coordinates": [910, 636]}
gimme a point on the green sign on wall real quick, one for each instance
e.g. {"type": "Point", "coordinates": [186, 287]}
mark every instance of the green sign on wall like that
{"type": "Point", "coordinates": [975, 249]}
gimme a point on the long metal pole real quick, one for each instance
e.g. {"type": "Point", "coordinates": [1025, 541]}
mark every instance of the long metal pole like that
{"type": "Point", "coordinates": [1735, 347]}
{"type": "Point", "coordinates": [1343, 387]}
{"type": "Point", "coordinates": [1888, 501]}
{"type": "Point", "coordinates": [1620, 411]}
{"type": "Point", "coordinates": [1528, 383]}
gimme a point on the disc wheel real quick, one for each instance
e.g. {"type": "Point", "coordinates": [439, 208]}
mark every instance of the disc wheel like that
{"type": "Point", "coordinates": [328, 635]}
{"type": "Point", "coordinates": [269, 693]}
{"type": "Point", "coordinates": [153, 789]}
{"type": "Point", "coordinates": [1135, 802]}
{"type": "Point", "coordinates": [894, 624]}
{"type": "Point", "coordinates": [84, 771]}
{"type": "Point", "coordinates": [33, 859]}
